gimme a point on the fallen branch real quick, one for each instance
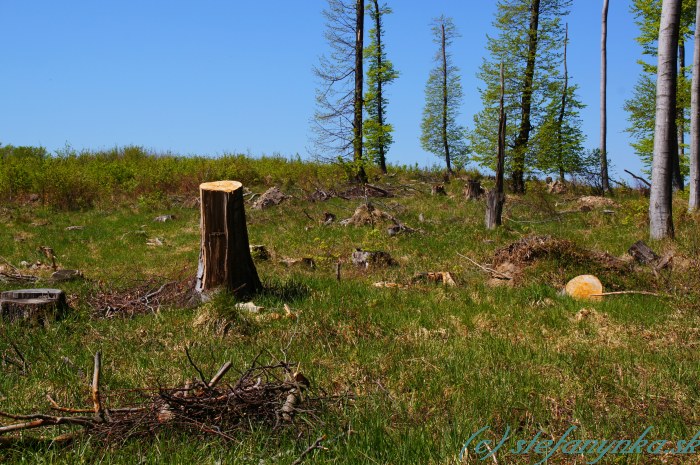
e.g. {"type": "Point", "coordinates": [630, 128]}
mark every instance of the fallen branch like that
{"type": "Point", "coordinates": [487, 269]}
{"type": "Point", "coordinates": [311, 448]}
{"type": "Point", "coordinates": [640, 179]}
{"type": "Point", "coordinates": [629, 292]}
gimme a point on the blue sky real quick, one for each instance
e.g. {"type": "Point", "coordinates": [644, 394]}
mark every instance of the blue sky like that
{"type": "Point", "coordinates": [212, 77]}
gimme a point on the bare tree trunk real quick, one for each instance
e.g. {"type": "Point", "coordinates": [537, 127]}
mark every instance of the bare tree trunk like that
{"type": "Point", "coordinates": [380, 83]}
{"type": "Point", "coordinates": [445, 101]}
{"type": "Point", "coordinates": [496, 197]}
{"type": "Point", "coordinates": [678, 183]}
{"type": "Point", "coordinates": [603, 100]}
{"type": "Point", "coordinates": [665, 135]}
{"type": "Point", "coordinates": [520, 146]}
{"type": "Point", "coordinates": [358, 101]}
{"type": "Point", "coordinates": [224, 257]}
{"type": "Point", "coordinates": [694, 202]}
{"type": "Point", "coordinates": [562, 111]}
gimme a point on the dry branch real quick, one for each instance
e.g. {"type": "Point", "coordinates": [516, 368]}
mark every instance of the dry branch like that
{"type": "Point", "coordinates": [270, 394]}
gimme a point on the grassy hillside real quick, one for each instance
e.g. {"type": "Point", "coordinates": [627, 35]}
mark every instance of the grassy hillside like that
{"type": "Point", "coordinates": [411, 371]}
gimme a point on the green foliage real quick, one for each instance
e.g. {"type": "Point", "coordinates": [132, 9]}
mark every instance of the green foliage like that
{"type": "Point", "coordinates": [380, 73]}
{"type": "Point", "coordinates": [510, 47]}
{"type": "Point", "coordinates": [641, 107]}
{"type": "Point", "coordinates": [443, 95]}
{"type": "Point", "coordinates": [558, 149]}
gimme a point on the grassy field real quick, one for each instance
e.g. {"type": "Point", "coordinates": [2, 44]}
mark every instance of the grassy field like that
{"type": "Point", "coordinates": [416, 369]}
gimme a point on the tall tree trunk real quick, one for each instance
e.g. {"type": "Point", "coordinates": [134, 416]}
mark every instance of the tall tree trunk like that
{"type": "Point", "coordinates": [496, 197]}
{"type": "Point", "coordinates": [678, 183]}
{"type": "Point", "coordinates": [445, 101]}
{"type": "Point", "coordinates": [665, 131]}
{"type": "Point", "coordinates": [358, 101]}
{"type": "Point", "coordinates": [562, 110]}
{"type": "Point", "coordinates": [605, 182]}
{"type": "Point", "coordinates": [521, 142]}
{"type": "Point", "coordinates": [380, 83]}
{"type": "Point", "coordinates": [694, 202]}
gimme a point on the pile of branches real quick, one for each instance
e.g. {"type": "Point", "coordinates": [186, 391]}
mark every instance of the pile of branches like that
{"type": "Point", "coordinates": [271, 395]}
{"type": "Point", "coordinates": [108, 301]}
{"type": "Point", "coordinates": [534, 247]}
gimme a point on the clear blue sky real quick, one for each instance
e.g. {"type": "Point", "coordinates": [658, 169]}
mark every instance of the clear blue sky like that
{"type": "Point", "coordinates": [211, 77]}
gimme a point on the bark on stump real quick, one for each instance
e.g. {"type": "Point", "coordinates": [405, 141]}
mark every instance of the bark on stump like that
{"type": "Point", "coordinates": [473, 190]}
{"type": "Point", "coordinates": [35, 306]}
{"type": "Point", "coordinates": [224, 257]}
{"type": "Point", "coordinates": [494, 208]}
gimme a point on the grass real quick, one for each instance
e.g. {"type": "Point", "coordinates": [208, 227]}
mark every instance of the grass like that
{"type": "Point", "coordinates": [426, 366]}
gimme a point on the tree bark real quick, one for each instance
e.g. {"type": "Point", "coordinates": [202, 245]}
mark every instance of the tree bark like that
{"type": "Point", "coordinates": [520, 146]}
{"type": "Point", "coordinates": [678, 182]}
{"type": "Point", "coordinates": [36, 306]}
{"type": "Point", "coordinates": [605, 182]}
{"type": "Point", "coordinates": [496, 197]}
{"type": "Point", "coordinates": [665, 135]}
{"type": "Point", "coordinates": [358, 100]}
{"type": "Point", "coordinates": [694, 201]}
{"type": "Point", "coordinates": [562, 110]}
{"type": "Point", "coordinates": [224, 258]}
{"type": "Point", "coordinates": [445, 101]}
{"type": "Point", "coordinates": [380, 83]}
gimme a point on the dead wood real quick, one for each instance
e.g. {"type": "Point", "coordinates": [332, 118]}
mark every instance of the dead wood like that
{"type": "Point", "coordinates": [272, 394]}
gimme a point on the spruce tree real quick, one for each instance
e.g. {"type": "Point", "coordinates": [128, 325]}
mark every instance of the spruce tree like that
{"type": "Point", "coordinates": [530, 34]}
{"type": "Point", "coordinates": [380, 73]}
{"type": "Point", "coordinates": [440, 133]}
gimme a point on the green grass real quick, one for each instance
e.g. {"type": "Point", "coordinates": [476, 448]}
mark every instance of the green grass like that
{"type": "Point", "coordinates": [426, 366]}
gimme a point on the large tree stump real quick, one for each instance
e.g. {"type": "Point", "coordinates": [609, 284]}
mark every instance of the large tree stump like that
{"type": "Point", "coordinates": [224, 257]}
{"type": "Point", "coordinates": [36, 306]}
{"type": "Point", "coordinates": [473, 189]}
{"type": "Point", "coordinates": [494, 208]}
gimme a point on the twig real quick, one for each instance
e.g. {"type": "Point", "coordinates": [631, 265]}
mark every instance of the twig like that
{"type": "Point", "coordinates": [99, 414]}
{"type": "Point", "coordinates": [220, 374]}
{"type": "Point", "coordinates": [629, 292]}
{"type": "Point", "coordinates": [311, 448]}
{"type": "Point", "coordinates": [201, 375]}
{"type": "Point", "coordinates": [486, 269]}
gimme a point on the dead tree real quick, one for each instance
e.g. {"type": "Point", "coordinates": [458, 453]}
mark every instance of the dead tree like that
{"type": "Point", "coordinates": [603, 99]}
{"type": "Point", "coordinates": [224, 257]}
{"type": "Point", "coordinates": [496, 197]}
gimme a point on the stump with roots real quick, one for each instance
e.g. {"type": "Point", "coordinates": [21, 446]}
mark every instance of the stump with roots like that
{"type": "Point", "coordinates": [224, 257]}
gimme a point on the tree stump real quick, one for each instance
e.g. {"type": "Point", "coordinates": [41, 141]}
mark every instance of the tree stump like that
{"type": "Point", "coordinates": [642, 253]}
{"type": "Point", "coordinates": [494, 208]}
{"type": "Point", "coordinates": [36, 306]}
{"type": "Point", "coordinates": [224, 257]}
{"type": "Point", "coordinates": [473, 189]}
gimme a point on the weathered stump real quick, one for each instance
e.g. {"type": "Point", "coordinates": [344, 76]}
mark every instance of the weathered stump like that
{"type": "Point", "coordinates": [494, 208]}
{"type": "Point", "coordinates": [36, 306]}
{"type": "Point", "coordinates": [224, 257]}
{"type": "Point", "coordinates": [473, 189]}
{"type": "Point", "coordinates": [642, 253]}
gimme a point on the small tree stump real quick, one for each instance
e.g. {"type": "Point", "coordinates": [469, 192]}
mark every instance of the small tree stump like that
{"type": "Point", "coordinates": [36, 306]}
{"type": "Point", "coordinates": [224, 257]}
{"type": "Point", "coordinates": [642, 253]}
{"type": "Point", "coordinates": [473, 189]}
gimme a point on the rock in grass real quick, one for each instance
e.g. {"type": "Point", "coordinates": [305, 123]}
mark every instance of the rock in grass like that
{"type": "Point", "coordinates": [367, 258]}
{"type": "Point", "coordinates": [584, 287]}
{"type": "Point", "coordinates": [273, 196]}
{"type": "Point", "coordinates": [164, 218]}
